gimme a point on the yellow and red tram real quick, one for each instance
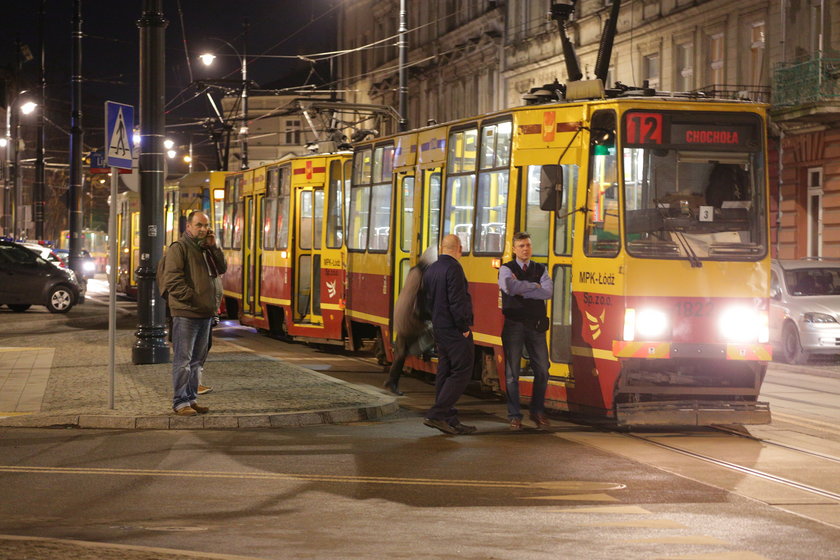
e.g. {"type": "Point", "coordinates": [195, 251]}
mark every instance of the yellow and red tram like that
{"type": "Point", "coordinates": [284, 243]}
{"type": "Point", "coordinates": [195, 191]}
{"type": "Point", "coordinates": [651, 215]}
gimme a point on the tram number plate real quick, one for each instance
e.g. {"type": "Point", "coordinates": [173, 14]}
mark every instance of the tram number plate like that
{"type": "Point", "coordinates": [694, 308]}
{"type": "Point", "coordinates": [644, 128]}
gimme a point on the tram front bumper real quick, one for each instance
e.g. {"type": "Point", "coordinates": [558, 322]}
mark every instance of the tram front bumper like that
{"type": "Point", "coordinates": [666, 350]}
{"type": "Point", "coordinates": [691, 413]}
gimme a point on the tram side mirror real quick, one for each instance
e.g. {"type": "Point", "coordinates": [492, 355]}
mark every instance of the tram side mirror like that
{"type": "Point", "coordinates": [551, 187]}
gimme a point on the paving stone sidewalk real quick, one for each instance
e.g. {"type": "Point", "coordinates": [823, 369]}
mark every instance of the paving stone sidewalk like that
{"type": "Point", "coordinates": [250, 390]}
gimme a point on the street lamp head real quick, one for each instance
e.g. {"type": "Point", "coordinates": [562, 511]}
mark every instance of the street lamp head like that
{"type": "Point", "coordinates": [207, 58]}
{"type": "Point", "coordinates": [4, 142]}
{"type": "Point", "coordinates": [28, 107]}
{"type": "Point", "coordinates": [171, 154]}
{"type": "Point", "coordinates": [168, 143]}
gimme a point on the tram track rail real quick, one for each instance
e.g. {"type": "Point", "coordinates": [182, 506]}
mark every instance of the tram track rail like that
{"type": "Point", "coordinates": [741, 469]}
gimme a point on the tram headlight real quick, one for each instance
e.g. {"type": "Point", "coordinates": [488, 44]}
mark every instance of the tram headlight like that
{"type": "Point", "coordinates": [645, 324]}
{"type": "Point", "coordinates": [744, 324]}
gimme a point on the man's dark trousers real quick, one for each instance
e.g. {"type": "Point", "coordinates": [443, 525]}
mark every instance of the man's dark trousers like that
{"type": "Point", "coordinates": [455, 366]}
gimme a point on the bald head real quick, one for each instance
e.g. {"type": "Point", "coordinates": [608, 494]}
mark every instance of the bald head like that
{"type": "Point", "coordinates": [451, 245]}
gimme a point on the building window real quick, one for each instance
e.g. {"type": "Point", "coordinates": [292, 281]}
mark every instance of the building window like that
{"type": "Point", "coordinates": [293, 132]}
{"type": "Point", "coordinates": [685, 67]}
{"type": "Point", "coordinates": [814, 208]}
{"type": "Point", "coordinates": [650, 69]}
{"type": "Point", "coordinates": [715, 59]}
{"type": "Point", "coordinates": [757, 53]}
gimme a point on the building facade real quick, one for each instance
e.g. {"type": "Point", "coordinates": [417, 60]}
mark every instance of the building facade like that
{"type": "Point", "coordinates": [469, 57]}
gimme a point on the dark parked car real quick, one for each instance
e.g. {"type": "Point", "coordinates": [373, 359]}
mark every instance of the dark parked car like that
{"type": "Point", "coordinates": [26, 279]}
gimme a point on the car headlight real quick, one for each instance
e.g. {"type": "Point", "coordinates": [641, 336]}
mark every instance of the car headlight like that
{"type": "Point", "coordinates": [89, 266]}
{"type": "Point", "coordinates": [646, 324]}
{"type": "Point", "coordinates": [744, 324]}
{"type": "Point", "coordinates": [818, 318]}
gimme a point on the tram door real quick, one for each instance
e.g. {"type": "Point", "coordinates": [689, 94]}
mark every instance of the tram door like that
{"type": "Point", "coordinates": [308, 246]}
{"type": "Point", "coordinates": [404, 224]}
{"type": "Point", "coordinates": [252, 253]}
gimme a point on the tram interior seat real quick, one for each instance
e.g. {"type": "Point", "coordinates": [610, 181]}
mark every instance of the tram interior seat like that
{"type": "Point", "coordinates": [492, 237]}
{"type": "Point", "coordinates": [379, 241]}
{"type": "Point", "coordinates": [464, 233]}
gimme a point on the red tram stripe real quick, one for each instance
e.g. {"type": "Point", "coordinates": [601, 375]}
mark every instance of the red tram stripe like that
{"type": "Point", "coordinates": [299, 170]}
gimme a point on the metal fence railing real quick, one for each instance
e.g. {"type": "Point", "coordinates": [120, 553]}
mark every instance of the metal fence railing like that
{"type": "Point", "coordinates": [812, 81]}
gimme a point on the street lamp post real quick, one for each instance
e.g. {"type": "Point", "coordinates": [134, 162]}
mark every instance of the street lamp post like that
{"type": "Point", "coordinates": [207, 59]}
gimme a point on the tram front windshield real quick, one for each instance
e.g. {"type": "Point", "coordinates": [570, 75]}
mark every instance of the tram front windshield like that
{"type": "Point", "coordinates": [694, 185]}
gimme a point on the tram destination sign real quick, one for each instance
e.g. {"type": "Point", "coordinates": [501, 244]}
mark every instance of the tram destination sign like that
{"type": "Point", "coordinates": [664, 130]}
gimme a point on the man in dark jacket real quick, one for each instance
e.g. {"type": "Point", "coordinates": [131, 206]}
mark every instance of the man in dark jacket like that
{"type": "Point", "coordinates": [445, 288]}
{"type": "Point", "coordinates": [189, 269]}
{"type": "Point", "coordinates": [409, 319]}
{"type": "Point", "coordinates": [525, 286]}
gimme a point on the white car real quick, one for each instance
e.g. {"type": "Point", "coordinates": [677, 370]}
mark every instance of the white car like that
{"type": "Point", "coordinates": [45, 253]}
{"type": "Point", "coordinates": [805, 308]}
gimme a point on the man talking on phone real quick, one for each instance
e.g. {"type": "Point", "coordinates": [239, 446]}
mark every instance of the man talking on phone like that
{"type": "Point", "coordinates": [191, 266]}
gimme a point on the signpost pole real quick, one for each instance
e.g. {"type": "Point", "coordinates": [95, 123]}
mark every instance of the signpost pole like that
{"type": "Point", "coordinates": [112, 279]}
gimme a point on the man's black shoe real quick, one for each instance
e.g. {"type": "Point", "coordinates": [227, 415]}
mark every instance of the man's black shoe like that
{"type": "Point", "coordinates": [393, 387]}
{"type": "Point", "coordinates": [441, 425]}
{"type": "Point", "coordinates": [463, 429]}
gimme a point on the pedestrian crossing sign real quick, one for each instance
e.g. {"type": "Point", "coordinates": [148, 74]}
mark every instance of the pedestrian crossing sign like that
{"type": "Point", "coordinates": [119, 130]}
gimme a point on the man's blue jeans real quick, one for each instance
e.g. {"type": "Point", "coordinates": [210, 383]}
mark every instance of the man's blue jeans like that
{"type": "Point", "coordinates": [515, 336]}
{"type": "Point", "coordinates": [189, 347]}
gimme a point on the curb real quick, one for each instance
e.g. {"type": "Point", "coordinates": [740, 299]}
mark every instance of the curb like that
{"type": "Point", "coordinates": [208, 421]}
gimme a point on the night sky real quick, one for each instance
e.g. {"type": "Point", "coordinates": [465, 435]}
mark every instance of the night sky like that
{"type": "Point", "coordinates": [110, 51]}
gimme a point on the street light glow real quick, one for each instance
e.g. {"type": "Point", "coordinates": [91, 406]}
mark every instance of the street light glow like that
{"type": "Point", "coordinates": [171, 154]}
{"type": "Point", "coordinates": [168, 144]}
{"type": "Point", "coordinates": [3, 142]}
{"type": "Point", "coordinates": [207, 58]}
{"type": "Point", "coordinates": [28, 107]}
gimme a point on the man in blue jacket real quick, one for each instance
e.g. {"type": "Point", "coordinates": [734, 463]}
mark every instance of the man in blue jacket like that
{"type": "Point", "coordinates": [445, 287]}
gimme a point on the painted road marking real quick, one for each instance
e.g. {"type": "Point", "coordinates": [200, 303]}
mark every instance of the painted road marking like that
{"type": "Point", "coordinates": [645, 524]}
{"type": "Point", "coordinates": [560, 485]}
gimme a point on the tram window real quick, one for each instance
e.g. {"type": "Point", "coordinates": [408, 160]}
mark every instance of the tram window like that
{"type": "Point", "coordinates": [218, 211]}
{"type": "Point", "coordinates": [238, 226]}
{"type": "Point", "coordinates": [462, 151]}
{"type": "Point", "coordinates": [602, 211]}
{"type": "Point", "coordinates": [537, 220]}
{"type": "Point", "coordinates": [270, 223]}
{"type": "Point", "coordinates": [345, 195]}
{"type": "Point", "coordinates": [492, 211]}
{"type": "Point", "coordinates": [407, 207]}
{"type": "Point", "coordinates": [383, 164]}
{"type": "Point", "coordinates": [495, 145]}
{"type": "Point", "coordinates": [362, 167]}
{"type": "Point", "coordinates": [231, 197]}
{"type": "Point", "coordinates": [283, 209]}
{"type": "Point", "coordinates": [380, 221]}
{"type": "Point", "coordinates": [358, 218]}
{"type": "Point", "coordinates": [318, 219]}
{"type": "Point", "coordinates": [335, 205]}
{"type": "Point", "coordinates": [305, 221]}
{"type": "Point", "coordinates": [561, 315]}
{"type": "Point", "coordinates": [432, 212]}
{"type": "Point", "coordinates": [460, 204]}
{"type": "Point", "coordinates": [271, 203]}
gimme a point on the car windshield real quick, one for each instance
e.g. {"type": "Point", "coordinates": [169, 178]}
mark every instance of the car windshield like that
{"type": "Point", "coordinates": [817, 281]}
